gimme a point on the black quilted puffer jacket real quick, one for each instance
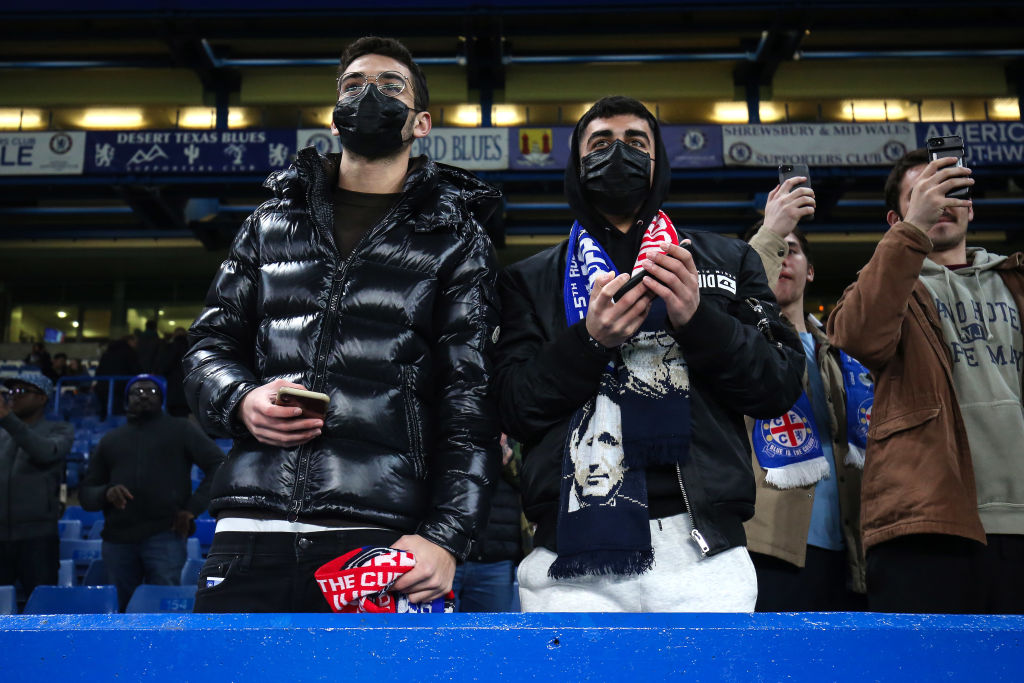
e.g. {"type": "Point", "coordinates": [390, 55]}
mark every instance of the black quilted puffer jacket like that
{"type": "Point", "coordinates": [399, 334]}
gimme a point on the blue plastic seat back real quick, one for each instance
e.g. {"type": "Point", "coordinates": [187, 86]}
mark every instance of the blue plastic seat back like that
{"type": "Point", "coordinates": [87, 518]}
{"type": "Point", "coordinates": [8, 600]}
{"type": "Point", "coordinates": [149, 598]}
{"type": "Point", "coordinates": [72, 600]}
{"type": "Point", "coordinates": [70, 528]}
{"type": "Point", "coordinates": [96, 530]}
{"type": "Point", "coordinates": [190, 572]}
{"type": "Point", "coordinates": [66, 573]}
{"type": "Point", "coordinates": [96, 574]}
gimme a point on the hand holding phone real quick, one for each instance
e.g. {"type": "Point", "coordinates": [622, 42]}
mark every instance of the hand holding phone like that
{"type": "Point", "coordinates": [312, 403]}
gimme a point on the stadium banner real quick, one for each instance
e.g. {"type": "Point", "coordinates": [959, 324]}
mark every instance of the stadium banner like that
{"type": "Point", "coordinates": [42, 153]}
{"type": "Point", "coordinates": [474, 149]}
{"type": "Point", "coordinates": [693, 146]}
{"type": "Point", "coordinates": [986, 143]}
{"type": "Point", "coordinates": [189, 151]}
{"type": "Point", "coordinates": [539, 148]}
{"type": "Point", "coordinates": [817, 144]}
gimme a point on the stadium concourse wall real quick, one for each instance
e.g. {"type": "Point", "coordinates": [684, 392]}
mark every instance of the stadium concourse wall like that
{"type": "Point", "coordinates": [570, 647]}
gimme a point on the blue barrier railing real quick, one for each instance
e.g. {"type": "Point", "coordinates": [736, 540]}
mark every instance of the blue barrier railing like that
{"type": "Point", "coordinates": [564, 647]}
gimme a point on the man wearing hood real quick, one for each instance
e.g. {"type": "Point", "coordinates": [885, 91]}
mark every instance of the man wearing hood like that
{"type": "Point", "coordinates": [938, 324]}
{"type": "Point", "coordinates": [140, 476]}
{"type": "Point", "coordinates": [368, 278]}
{"type": "Point", "coordinates": [630, 408]}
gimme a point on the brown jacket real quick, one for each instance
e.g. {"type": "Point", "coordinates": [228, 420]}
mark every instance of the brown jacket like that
{"type": "Point", "coordinates": [783, 517]}
{"type": "Point", "coordinates": [918, 475]}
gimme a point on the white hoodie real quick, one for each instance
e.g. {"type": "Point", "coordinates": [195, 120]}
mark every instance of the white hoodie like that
{"type": "Point", "coordinates": [982, 327]}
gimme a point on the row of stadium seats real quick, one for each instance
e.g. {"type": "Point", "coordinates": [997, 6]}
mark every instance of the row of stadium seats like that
{"type": "Point", "coordinates": [99, 600]}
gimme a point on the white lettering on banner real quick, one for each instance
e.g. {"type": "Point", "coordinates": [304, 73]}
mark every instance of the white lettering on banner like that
{"type": "Point", "coordinates": [475, 149]}
{"type": "Point", "coordinates": [985, 142]}
{"type": "Point", "coordinates": [48, 153]}
{"type": "Point", "coordinates": [817, 144]}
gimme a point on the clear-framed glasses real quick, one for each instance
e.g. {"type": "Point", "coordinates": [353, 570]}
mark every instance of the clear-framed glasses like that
{"type": "Point", "coordinates": [390, 83]}
{"type": "Point", "coordinates": [144, 391]}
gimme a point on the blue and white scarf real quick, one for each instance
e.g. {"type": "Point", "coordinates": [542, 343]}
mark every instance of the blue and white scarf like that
{"type": "Point", "coordinates": [789, 447]}
{"type": "Point", "coordinates": [860, 397]}
{"type": "Point", "coordinates": [639, 417]}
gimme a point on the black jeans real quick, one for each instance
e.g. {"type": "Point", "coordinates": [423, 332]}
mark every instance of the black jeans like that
{"type": "Point", "coordinates": [33, 561]}
{"type": "Point", "coordinates": [273, 572]}
{"type": "Point", "coordinates": [940, 574]}
{"type": "Point", "coordinates": [819, 586]}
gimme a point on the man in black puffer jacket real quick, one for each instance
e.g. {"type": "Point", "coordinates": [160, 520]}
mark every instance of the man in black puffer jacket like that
{"type": "Point", "coordinates": [630, 410]}
{"type": "Point", "coordinates": [368, 278]}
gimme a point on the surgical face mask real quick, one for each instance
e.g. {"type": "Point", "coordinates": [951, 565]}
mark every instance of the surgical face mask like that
{"type": "Point", "coordinates": [616, 179]}
{"type": "Point", "coordinates": [371, 124]}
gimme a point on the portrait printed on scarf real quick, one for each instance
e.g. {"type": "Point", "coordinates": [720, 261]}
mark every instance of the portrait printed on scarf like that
{"type": "Point", "coordinates": [655, 369]}
{"type": "Point", "coordinates": [598, 458]}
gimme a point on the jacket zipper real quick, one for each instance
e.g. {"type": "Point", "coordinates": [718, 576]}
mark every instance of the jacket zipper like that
{"type": "Point", "coordinates": [763, 326]}
{"type": "Point", "coordinates": [415, 436]}
{"type": "Point", "coordinates": [696, 535]}
{"type": "Point", "coordinates": [299, 490]}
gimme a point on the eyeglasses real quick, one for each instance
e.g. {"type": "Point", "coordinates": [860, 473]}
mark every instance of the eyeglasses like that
{"type": "Point", "coordinates": [20, 391]}
{"type": "Point", "coordinates": [390, 83]}
{"type": "Point", "coordinates": [142, 391]}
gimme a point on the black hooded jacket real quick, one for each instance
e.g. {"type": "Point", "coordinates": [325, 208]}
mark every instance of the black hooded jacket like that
{"type": "Point", "coordinates": [547, 370]}
{"type": "Point", "coordinates": [398, 334]}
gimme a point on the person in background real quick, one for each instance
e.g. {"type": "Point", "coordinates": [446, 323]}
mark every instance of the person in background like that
{"type": "Point", "coordinates": [140, 476]}
{"type": "Point", "coordinates": [486, 581]}
{"type": "Point", "coordinates": [32, 456]}
{"type": "Point", "coordinates": [804, 537]}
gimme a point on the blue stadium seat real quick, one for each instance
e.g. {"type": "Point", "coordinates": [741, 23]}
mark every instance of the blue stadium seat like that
{"type": "Point", "coordinates": [225, 444]}
{"type": "Point", "coordinates": [190, 572]}
{"type": "Point", "coordinates": [96, 530]}
{"type": "Point", "coordinates": [66, 573]}
{"type": "Point", "coordinates": [205, 527]}
{"type": "Point", "coordinates": [81, 551]}
{"type": "Point", "coordinates": [72, 600]}
{"type": "Point", "coordinates": [88, 518]}
{"type": "Point", "coordinates": [149, 598]}
{"type": "Point", "coordinates": [70, 528]}
{"type": "Point", "coordinates": [8, 600]}
{"type": "Point", "coordinates": [96, 574]}
{"type": "Point", "coordinates": [192, 546]}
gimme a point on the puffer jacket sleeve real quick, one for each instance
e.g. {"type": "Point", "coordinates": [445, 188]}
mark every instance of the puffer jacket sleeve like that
{"type": "Point", "coordinates": [754, 361]}
{"type": "Point", "coordinates": [220, 365]}
{"type": "Point", "coordinates": [466, 459]}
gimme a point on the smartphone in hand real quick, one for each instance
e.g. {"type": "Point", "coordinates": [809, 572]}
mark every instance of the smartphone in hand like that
{"type": "Point", "coordinates": [787, 171]}
{"type": "Point", "coordinates": [949, 146]}
{"type": "Point", "coordinates": [631, 283]}
{"type": "Point", "coordinates": [313, 403]}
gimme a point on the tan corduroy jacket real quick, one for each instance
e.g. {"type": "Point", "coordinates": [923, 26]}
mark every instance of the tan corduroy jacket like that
{"type": "Point", "coordinates": [918, 475]}
{"type": "Point", "coordinates": [782, 518]}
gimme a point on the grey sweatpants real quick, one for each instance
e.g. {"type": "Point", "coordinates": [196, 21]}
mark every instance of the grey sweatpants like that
{"type": "Point", "coordinates": [680, 580]}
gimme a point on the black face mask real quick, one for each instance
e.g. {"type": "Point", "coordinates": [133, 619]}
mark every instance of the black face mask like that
{"type": "Point", "coordinates": [371, 123]}
{"type": "Point", "coordinates": [616, 179]}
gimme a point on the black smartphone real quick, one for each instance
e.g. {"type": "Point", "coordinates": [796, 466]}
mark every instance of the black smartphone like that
{"type": "Point", "coordinates": [313, 403]}
{"type": "Point", "coordinates": [949, 146]}
{"type": "Point", "coordinates": [631, 283]}
{"type": "Point", "coordinates": [787, 171]}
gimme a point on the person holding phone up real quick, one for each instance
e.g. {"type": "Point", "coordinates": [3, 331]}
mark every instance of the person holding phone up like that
{"type": "Point", "coordinates": [629, 408]}
{"type": "Point", "coordinates": [369, 279]}
{"type": "Point", "coordinates": [938, 323]}
{"type": "Point", "coordinates": [804, 537]}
